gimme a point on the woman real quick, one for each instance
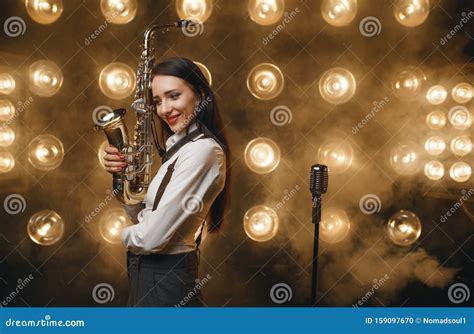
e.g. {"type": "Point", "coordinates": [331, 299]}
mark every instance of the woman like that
{"type": "Point", "coordinates": [193, 184]}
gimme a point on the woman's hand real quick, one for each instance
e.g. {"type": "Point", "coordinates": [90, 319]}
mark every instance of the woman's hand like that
{"type": "Point", "coordinates": [114, 161]}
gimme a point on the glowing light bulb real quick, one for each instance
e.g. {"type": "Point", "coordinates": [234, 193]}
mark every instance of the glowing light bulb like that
{"type": "Point", "coordinates": [337, 155]}
{"type": "Point", "coordinates": [339, 13]}
{"type": "Point", "coordinates": [404, 159]}
{"type": "Point", "coordinates": [337, 85]}
{"type": "Point", "coordinates": [261, 223]}
{"type": "Point", "coordinates": [265, 81]}
{"type": "Point", "coordinates": [262, 155]}
{"type": "Point", "coordinates": [45, 77]}
{"type": "Point", "coordinates": [462, 93]}
{"type": "Point", "coordinates": [411, 13]}
{"type": "Point", "coordinates": [266, 12]}
{"type": "Point", "coordinates": [7, 162]}
{"type": "Point", "coordinates": [45, 152]}
{"type": "Point", "coordinates": [436, 120]}
{"type": "Point", "coordinates": [335, 225]}
{"type": "Point", "coordinates": [404, 228]}
{"type": "Point", "coordinates": [205, 71]}
{"type": "Point", "coordinates": [197, 10]}
{"type": "Point", "coordinates": [117, 81]}
{"type": "Point", "coordinates": [45, 227]}
{"type": "Point", "coordinates": [461, 146]}
{"type": "Point", "coordinates": [460, 172]}
{"type": "Point", "coordinates": [7, 110]}
{"type": "Point", "coordinates": [460, 117]}
{"type": "Point", "coordinates": [119, 11]}
{"type": "Point", "coordinates": [7, 136]}
{"type": "Point", "coordinates": [7, 84]}
{"type": "Point", "coordinates": [436, 95]}
{"type": "Point", "coordinates": [435, 145]}
{"type": "Point", "coordinates": [408, 83]}
{"type": "Point", "coordinates": [111, 224]}
{"type": "Point", "coordinates": [44, 11]}
{"type": "Point", "coordinates": [434, 170]}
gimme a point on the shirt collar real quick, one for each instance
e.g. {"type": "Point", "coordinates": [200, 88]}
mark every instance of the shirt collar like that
{"type": "Point", "coordinates": [180, 135]}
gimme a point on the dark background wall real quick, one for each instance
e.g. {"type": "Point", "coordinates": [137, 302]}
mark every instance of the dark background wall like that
{"type": "Point", "coordinates": [243, 271]}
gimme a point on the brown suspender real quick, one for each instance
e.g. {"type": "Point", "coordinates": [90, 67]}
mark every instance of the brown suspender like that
{"type": "Point", "coordinates": [164, 184]}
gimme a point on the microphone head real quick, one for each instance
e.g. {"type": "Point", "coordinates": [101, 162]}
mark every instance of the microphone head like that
{"type": "Point", "coordinates": [318, 182]}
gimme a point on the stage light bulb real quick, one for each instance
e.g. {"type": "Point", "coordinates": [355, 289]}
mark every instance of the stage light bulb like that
{"type": "Point", "coordinates": [335, 225]}
{"type": "Point", "coordinates": [337, 85]}
{"type": "Point", "coordinates": [460, 171]}
{"type": "Point", "coordinates": [462, 93]}
{"type": "Point", "coordinates": [411, 13]}
{"type": "Point", "coordinates": [404, 228]}
{"type": "Point", "coordinates": [266, 12]}
{"type": "Point", "coordinates": [261, 223]}
{"type": "Point", "coordinates": [45, 227]}
{"type": "Point", "coordinates": [262, 155]}
{"type": "Point", "coordinates": [434, 170]}
{"type": "Point", "coordinates": [460, 117]}
{"type": "Point", "coordinates": [7, 162]}
{"type": "Point", "coordinates": [435, 145]}
{"type": "Point", "coordinates": [461, 146]}
{"type": "Point", "coordinates": [404, 159]}
{"type": "Point", "coordinates": [45, 77]}
{"type": "Point", "coordinates": [408, 83]}
{"type": "Point", "coordinates": [7, 84]}
{"type": "Point", "coordinates": [111, 224]}
{"type": "Point", "coordinates": [265, 81]}
{"type": "Point", "coordinates": [45, 152]}
{"type": "Point", "coordinates": [197, 10]}
{"type": "Point", "coordinates": [337, 155]}
{"type": "Point", "coordinates": [339, 13]}
{"type": "Point", "coordinates": [436, 95]}
{"type": "Point", "coordinates": [7, 136]}
{"type": "Point", "coordinates": [44, 11]}
{"type": "Point", "coordinates": [205, 71]}
{"type": "Point", "coordinates": [7, 110]}
{"type": "Point", "coordinates": [436, 120]}
{"type": "Point", "coordinates": [119, 11]}
{"type": "Point", "coordinates": [117, 81]}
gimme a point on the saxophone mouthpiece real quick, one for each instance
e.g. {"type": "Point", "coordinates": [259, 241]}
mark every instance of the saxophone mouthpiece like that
{"type": "Point", "coordinates": [185, 23]}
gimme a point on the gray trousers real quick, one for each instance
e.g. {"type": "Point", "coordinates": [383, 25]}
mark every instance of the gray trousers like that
{"type": "Point", "coordinates": [163, 280]}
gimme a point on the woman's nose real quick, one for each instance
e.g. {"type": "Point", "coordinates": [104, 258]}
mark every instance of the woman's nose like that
{"type": "Point", "coordinates": [166, 107]}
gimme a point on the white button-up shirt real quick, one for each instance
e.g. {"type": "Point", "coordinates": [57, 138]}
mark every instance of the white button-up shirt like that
{"type": "Point", "coordinates": [198, 178]}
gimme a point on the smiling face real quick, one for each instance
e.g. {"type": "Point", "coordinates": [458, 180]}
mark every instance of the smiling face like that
{"type": "Point", "coordinates": [175, 101]}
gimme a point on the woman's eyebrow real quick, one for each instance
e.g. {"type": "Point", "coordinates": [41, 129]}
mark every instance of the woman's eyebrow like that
{"type": "Point", "coordinates": [165, 93]}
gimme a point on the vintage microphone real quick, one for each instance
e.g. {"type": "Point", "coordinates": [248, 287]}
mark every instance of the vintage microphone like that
{"type": "Point", "coordinates": [318, 185]}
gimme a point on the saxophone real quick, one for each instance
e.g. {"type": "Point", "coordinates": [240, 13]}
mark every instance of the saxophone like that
{"type": "Point", "coordinates": [131, 184]}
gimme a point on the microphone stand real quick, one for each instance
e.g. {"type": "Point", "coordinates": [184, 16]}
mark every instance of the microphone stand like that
{"type": "Point", "coordinates": [316, 219]}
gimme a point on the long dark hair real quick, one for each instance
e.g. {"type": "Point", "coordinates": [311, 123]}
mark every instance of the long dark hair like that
{"type": "Point", "coordinates": [208, 116]}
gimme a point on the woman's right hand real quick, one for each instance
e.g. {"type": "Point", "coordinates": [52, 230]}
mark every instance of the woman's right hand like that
{"type": "Point", "coordinates": [114, 161]}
